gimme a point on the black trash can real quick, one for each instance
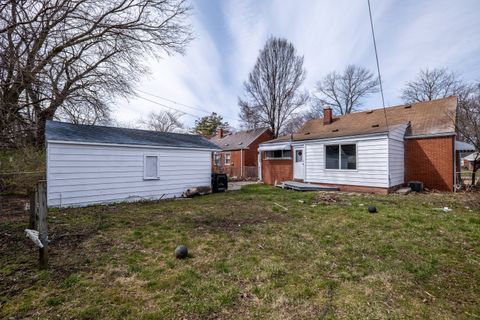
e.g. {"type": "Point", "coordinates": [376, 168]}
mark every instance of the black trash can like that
{"type": "Point", "coordinates": [219, 182]}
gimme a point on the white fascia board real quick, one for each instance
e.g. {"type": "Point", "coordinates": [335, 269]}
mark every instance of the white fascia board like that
{"type": "Point", "coordinates": [356, 137]}
{"type": "Point", "coordinates": [276, 146]}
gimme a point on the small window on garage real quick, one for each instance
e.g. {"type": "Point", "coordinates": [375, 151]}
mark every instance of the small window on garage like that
{"type": "Point", "coordinates": [150, 167]}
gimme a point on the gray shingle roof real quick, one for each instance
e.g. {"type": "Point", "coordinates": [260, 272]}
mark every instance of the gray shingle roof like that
{"type": "Point", "coordinates": [464, 146]}
{"type": "Point", "coordinates": [100, 134]}
{"type": "Point", "coordinates": [238, 140]}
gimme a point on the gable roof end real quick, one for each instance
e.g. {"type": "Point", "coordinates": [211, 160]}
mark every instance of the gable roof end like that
{"type": "Point", "coordinates": [238, 140]}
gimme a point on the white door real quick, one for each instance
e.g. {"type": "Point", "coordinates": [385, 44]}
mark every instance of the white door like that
{"type": "Point", "coordinates": [299, 164]}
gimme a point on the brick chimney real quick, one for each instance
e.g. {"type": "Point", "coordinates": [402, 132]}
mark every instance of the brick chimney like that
{"type": "Point", "coordinates": [327, 115]}
{"type": "Point", "coordinates": [219, 133]}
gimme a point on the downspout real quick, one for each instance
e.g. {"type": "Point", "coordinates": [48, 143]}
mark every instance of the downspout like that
{"type": "Point", "coordinates": [241, 163]}
{"type": "Point", "coordinates": [259, 165]}
{"type": "Point", "coordinates": [454, 164]}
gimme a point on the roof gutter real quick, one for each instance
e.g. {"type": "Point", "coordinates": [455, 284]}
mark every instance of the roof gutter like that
{"type": "Point", "coordinates": [129, 145]}
{"type": "Point", "coordinates": [383, 133]}
{"type": "Point", "coordinates": [431, 135]}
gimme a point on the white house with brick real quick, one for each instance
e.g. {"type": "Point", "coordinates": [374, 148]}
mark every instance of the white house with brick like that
{"type": "Point", "coordinates": [374, 151]}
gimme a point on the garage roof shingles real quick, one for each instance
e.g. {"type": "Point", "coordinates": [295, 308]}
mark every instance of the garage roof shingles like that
{"type": "Point", "coordinates": [61, 131]}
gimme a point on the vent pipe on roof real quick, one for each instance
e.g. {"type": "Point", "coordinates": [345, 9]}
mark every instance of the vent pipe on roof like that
{"type": "Point", "coordinates": [327, 115]}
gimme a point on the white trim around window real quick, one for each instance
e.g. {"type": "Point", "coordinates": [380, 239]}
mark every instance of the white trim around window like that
{"type": "Point", "coordinates": [217, 159]}
{"type": "Point", "coordinates": [151, 166]}
{"type": "Point", "coordinates": [227, 158]}
{"type": "Point", "coordinates": [278, 154]}
{"type": "Point", "coordinates": [339, 168]}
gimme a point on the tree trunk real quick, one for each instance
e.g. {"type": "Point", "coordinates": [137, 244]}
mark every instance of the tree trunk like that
{"type": "Point", "coordinates": [42, 118]}
{"type": "Point", "coordinates": [474, 171]}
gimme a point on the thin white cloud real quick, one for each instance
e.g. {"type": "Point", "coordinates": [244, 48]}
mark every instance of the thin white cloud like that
{"type": "Point", "coordinates": [330, 34]}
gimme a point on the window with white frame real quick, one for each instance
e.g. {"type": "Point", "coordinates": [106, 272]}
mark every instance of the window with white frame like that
{"type": "Point", "coordinates": [150, 167]}
{"type": "Point", "coordinates": [218, 159]}
{"type": "Point", "coordinates": [227, 158]}
{"type": "Point", "coordinates": [278, 154]}
{"type": "Point", "coordinates": [341, 156]}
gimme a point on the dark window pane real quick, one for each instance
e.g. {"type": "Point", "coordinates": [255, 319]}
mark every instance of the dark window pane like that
{"type": "Point", "coordinates": [349, 156]}
{"type": "Point", "coordinates": [331, 153]}
{"type": "Point", "coordinates": [287, 153]}
{"type": "Point", "coordinates": [299, 156]}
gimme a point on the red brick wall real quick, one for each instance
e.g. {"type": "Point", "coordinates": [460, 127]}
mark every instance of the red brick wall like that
{"type": "Point", "coordinates": [235, 161]}
{"type": "Point", "coordinates": [251, 155]}
{"type": "Point", "coordinates": [250, 158]}
{"type": "Point", "coordinates": [279, 170]}
{"type": "Point", "coordinates": [430, 160]}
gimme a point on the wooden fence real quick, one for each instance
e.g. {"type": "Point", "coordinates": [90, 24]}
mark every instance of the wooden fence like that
{"type": "Point", "coordinates": [248, 172]}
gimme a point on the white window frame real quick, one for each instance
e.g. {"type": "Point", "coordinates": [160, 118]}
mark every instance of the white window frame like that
{"type": "Point", "coordinates": [219, 155]}
{"type": "Point", "coordinates": [340, 156]}
{"type": "Point", "coordinates": [145, 177]}
{"type": "Point", "coordinates": [225, 158]}
{"type": "Point", "coordinates": [281, 158]}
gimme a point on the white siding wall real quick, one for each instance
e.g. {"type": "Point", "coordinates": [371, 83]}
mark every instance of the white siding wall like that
{"type": "Point", "coordinates": [396, 147]}
{"type": "Point", "coordinates": [372, 163]}
{"type": "Point", "coordinates": [79, 175]}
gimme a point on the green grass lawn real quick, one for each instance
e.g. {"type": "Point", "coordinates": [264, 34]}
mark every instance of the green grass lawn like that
{"type": "Point", "coordinates": [324, 257]}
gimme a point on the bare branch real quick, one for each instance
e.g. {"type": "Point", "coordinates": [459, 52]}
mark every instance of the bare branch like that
{"type": "Point", "coordinates": [344, 91]}
{"type": "Point", "coordinates": [75, 56]}
{"type": "Point", "coordinates": [272, 92]}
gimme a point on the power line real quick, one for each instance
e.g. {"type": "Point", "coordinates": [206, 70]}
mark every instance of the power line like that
{"type": "Point", "coordinates": [181, 104]}
{"type": "Point", "coordinates": [378, 64]}
{"type": "Point", "coordinates": [165, 106]}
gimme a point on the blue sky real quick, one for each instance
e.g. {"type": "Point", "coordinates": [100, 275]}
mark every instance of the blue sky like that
{"type": "Point", "coordinates": [330, 34]}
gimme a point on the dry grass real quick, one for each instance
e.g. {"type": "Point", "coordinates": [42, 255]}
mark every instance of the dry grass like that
{"type": "Point", "coordinates": [325, 257]}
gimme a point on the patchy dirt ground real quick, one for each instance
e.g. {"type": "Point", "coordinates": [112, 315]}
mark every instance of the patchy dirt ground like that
{"type": "Point", "coordinates": [256, 253]}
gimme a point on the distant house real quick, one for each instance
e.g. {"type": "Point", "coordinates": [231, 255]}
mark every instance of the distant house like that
{"type": "Point", "coordinates": [471, 162]}
{"type": "Point", "coordinates": [372, 151]}
{"type": "Point", "coordinates": [239, 155]}
{"type": "Point", "coordinates": [97, 165]}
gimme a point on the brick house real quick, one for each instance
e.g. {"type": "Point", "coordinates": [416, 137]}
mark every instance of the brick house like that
{"type": "Point", "coordinates": [239, 155]}
{"type": "Point", "coordinates": [373, 151]}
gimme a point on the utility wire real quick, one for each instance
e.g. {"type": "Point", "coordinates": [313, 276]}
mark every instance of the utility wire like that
{"type": "Point", "coordinates": [378, 64]}
{"type": "Point", "coordinates": [180, 104]}
{"type": "Point", "coordinates": [168, 107]}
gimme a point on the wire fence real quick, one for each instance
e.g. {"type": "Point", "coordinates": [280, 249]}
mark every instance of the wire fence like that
{"type": "Point", "coordinates": [19, 183]}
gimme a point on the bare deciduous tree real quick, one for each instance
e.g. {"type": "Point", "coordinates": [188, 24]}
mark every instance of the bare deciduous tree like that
{"type": "Point", "coordinates": [432, 84]}
{"type": "Point", "coordinates": [468, 121]}
{"type": "Point", "coordinates": [56, 53]}
{"type": "Point", "coordinates": [272, 92]}
{"type": "Point", "coordinates": [83, 113]}
{"type": "Point", "coordinates": [249, 117]}
{"type": "Point", "coordinates": [314, 111]}
{"type": "Point", "coordinates": [344, 91]}
{"type": "Point", "coordinates": [164, 121]}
